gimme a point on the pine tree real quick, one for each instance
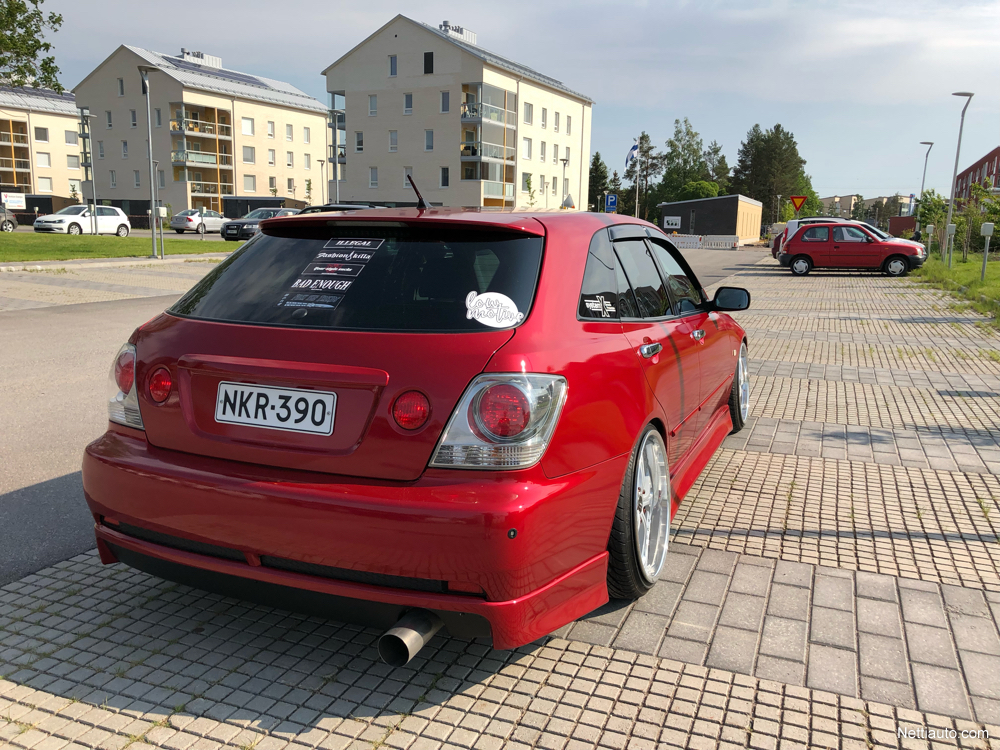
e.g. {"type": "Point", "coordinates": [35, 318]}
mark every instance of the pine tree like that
{"type": "Point", "coordinates": [598, 182]}
{"type": "Point", "coordinates": [644, 170]}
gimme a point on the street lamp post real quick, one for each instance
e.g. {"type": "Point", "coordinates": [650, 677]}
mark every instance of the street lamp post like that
{"type": "Point", "coordinates": [954, 175]}
{"type": "Point", "coordinates": [144, 72]}
{"type": "Point", "coordinates": [930, 145]}
{"type": "Point", "coordinates": [86, 131]}
{"type": "Point", "coordinates": [335, 156]}
{"type": "Point", "coordinates": [155, 215]}
{"type": "Point", "coordinates": [322, 179]}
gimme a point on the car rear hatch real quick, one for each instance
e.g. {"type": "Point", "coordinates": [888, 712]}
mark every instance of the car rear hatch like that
{"type": "Point", "coordinates": [326, 323]}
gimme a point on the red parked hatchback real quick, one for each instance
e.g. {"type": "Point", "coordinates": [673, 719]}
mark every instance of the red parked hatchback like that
{"type": "Point", "coordinates": [836, 245]}
{"type": "Point", "coordinates": [478, 420]}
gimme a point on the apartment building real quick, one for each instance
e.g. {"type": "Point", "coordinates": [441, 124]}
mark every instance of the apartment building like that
{"type": "Point", "coordinates": [39, 143]}
{"type": "Point", "coordinates": [982, 171]}
{"type": "Point", "coordinates": [473, 128]}
{"type": "Point", "coordinates": [843, 206]}
{"type": "Point", "coordinates": [220, 137]}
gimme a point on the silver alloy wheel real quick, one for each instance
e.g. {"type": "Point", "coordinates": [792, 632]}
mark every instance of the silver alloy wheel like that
{"type": "Point", "coordinates": [651, 506]}
{"type": "Point", "coordinates": [801, 266]}
{"type": "Point", "coordinates": [896, 267]}
{"type": "Point", "coordinates": [123, 231]}
{"type": "Point", "coordinates": [7, 226]}
{"type": "Point", "coordinates": [743, 374]}
{"type": "Point", "coordinates": [74, 229]}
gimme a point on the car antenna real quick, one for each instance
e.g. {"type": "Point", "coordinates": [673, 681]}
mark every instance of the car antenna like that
{"type": "Point", "coordinates": [421, 203]}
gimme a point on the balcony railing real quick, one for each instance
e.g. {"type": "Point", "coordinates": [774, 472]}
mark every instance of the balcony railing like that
{"type": "Point", "coordinates": [498, 189]}
{"type": "Point", "coordinates": [199, 127]}
{"type": "Point", "coordinates": [480, 111]}
{"type": "Point", "coordinates": [18, 164]}
{"type": "Point", "coordinates": [210, 188]}
{"type": "Point", "coordinates": [478, 149]}
{"type": "Point", "coordinates": [200, 157]}
{"type": "Point", "coordinates": [18, 139]}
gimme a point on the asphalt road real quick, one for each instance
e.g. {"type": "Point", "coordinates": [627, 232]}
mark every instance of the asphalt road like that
{"type": "Point", "coordinates": [53, 376]}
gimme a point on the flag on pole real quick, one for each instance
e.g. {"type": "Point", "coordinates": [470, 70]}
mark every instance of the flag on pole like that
{"type": "Point", "coordinates": [632, 153]}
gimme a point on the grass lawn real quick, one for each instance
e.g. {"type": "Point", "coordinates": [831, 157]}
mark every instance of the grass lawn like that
{"type": "Point", "coordinates": [18, 247]}
{"type": "Point", "coordinates": [966, 274]}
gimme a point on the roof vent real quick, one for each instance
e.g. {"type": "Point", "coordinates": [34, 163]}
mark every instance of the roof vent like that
{"type": "Point", "coordinates": [458, 32]}
{"type": "Point", "coordinates": [209, 61]}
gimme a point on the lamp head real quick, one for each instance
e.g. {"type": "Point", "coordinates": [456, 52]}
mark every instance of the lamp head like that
{"type": "Point", "coordinates": [964, 93]}
{"type": "Point", "coordinates": [926, 143]}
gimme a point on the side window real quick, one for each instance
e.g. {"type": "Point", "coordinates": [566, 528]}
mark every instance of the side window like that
{"type": "Point", "coordinates": [644, 278]}
{"type": "Point", "coordinates": [627, 306]}
{"type": "Point", "coordinates": [853, 234]}
{"type": "Point", "coordinates": [105, 211]}
{"type": "Point", "coordinates": [684, 289]}
{"type": "Point", "coordinates": [599, 295]}
{"type": "Point", "coordinates": [816, 234]}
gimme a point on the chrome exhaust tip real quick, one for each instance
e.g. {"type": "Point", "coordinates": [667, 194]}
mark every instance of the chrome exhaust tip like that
{"type": "Point", "coordinates": [401, 643]}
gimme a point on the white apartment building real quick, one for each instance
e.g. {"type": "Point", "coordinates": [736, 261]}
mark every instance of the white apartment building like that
{"type": "Point", "coordinates": [39, 143]}
{"type": "Point", "coordinates": [473, 128]}
{"type": "Point", "coordinates": [222, 138]}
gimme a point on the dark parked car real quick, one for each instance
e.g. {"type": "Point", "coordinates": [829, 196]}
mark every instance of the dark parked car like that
{"type": "Point", "coordinates": [245, 228]}
{"type": "Point", "coordinates": [8, 222]}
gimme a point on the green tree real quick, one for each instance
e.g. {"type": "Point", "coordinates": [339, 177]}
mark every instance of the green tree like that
{"type": "Point", "coordinates": [22, 30]}
{"type": "Point", "coordinates": [716, 166]}
{"type": "Point", "coordinates": [858, 209]}
{"type": "Point", "coordinates": [697, 189]}
{"type": "Point", "coordinates": [598, 182]}
{"type": "Point", "coordinates": [531, 192]}
{"type": "Point", "coordinates": [643, 170]}
{"type": "Point", "coordinates": [615, 186]}
{"type": "Point", "coordinates": [768, 165]}
{"type": "Point", "coordinates": [683, 161]}
{"type": "Point", "coordinates": [309, 191]}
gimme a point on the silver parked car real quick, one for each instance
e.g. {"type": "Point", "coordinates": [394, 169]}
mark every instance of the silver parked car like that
{"type": "Point", "coordinates": [193, 220]}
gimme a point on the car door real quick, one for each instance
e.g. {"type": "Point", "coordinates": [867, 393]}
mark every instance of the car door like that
{"type": "Point", "coordinates": [107, 220]}
{"type": "Point", "coordinates": [815, 242]}
{"type": "Point", "coordinates": [215, 222]}
{"type": "Point", "coordinates": [853, 244]}
{"type": "Point", "coordinates": [664, 343]}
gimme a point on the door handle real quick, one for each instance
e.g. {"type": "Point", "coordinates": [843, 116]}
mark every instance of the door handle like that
{"type": "Point", "coordinates": [649, 350]}
{"type": "Point", "coordinates": [698, 335]}
{"type": "Point", "coordinates": [836, 247]}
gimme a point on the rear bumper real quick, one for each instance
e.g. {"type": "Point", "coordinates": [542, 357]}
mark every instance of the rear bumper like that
{"type": "Point", "coordinates": [366, 548]}
{"type": "Point", "coordinates": [784, 259]}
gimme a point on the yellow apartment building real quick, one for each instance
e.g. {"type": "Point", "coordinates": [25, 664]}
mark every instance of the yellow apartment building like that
{"type": "Point", "coordinates": [473, 128]}
{"type": "Point", "coordinates": [39, 143]}
{"type": "Point", "coordinates": [224, 140]}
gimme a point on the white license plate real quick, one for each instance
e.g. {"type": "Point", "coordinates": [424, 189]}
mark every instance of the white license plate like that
{"type": "Point", "coordinates": [292, 409]}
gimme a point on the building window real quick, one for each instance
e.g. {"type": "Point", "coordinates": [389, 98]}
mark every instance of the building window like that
{"type": "Point", "coordinates": [157, 118]}
{"type": "Point", "coordinates": [247, 126]}
{"type": "Point", "coordinates": [270, 157]}
{"type": "Point", "coordinates": [289, 132]}
{"type": "Point", "coordinates": [445, 177]}
{"type": "Point", "coordinates": [100, 149]}
{"type": "Point", "coordinates": [289, 159]}
{"type": "Point", "coordinates": [74, 187]}
{"type": "Point", "coordinates": [372, 105]}
{"type": "Point", "coordinates": [428, 140]}
{"type": "Point", "coordinates": [359, 142]}
{"type": "Point", "coordinates": [41, 135]}
{"type": "Point", "coordinates": [555, 153]}
{"type": "Point", "coordinates": [529, 113]}
{"type": "Point", "coordinates": [407, 172]}
{"type": "Point", "coordinates": [566, 155]}
{"type": "Point", "coordinates": [272, 183]}
{"type": "Point", "coordinates": [124, 149]}
{"type": "Point", "coordinates": [270, 128]}
{"type": "Point", "coordinates": [306, 135]}
{"type": "Point", "coordinates": [121, 87]}
{"type": "Point", "coordinates": [525, 181]}
{"type": "Point", "coordinates": [43, 159]}
{"type": "Point", "coordinates": [73, 161]}
{"type": "Point", "coordinates": [569, 125]}
{"type": "Point", "coordinates": [373, 177]}
{"type": "Point", "coordinates": [545, 116]}
{"type": "Point", "coordinates": [137, 177]}
{"type": "Point", "coordinates": [393, 141]}
{"type": "Point", "coordinates": [249, 155]}
{"type": "Point", "coordinates": [428, 63]}
{"type": "Point", "coordinates": [407, 104]}
{"type": "Point", "coordinates": [306, 161]}
{"type": "Point", "coordinates": [44, 184]}
{"type": "Point", "coordinates": [555, 122]}
{"type": "Point", "coordinates": [291, 184]}
{"type": "Point", "coordinates": [132, 119]}
{"type": "Point", "coordinates": [525, 148]}
{"type": "Point", "coordinates": [392, 66]}
{"type": "Point", "coordinates": [541, 151]}
{"type": "Point", "coordinates": [113, 179]}
{"type": "Point", "coordinates": [445, 101]}
{"type": "Point", "coordinates": [108, 116]}
{"type": "Point", "coordinates": [161, 178]}
{"type": "Point", "coordinates": [249, 183]}
{"type": "Point", "coordinates": [72, 139]}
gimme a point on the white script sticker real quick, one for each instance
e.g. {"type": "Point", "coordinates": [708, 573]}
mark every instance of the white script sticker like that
{"type": "Point", "coordinates": [492, 309]}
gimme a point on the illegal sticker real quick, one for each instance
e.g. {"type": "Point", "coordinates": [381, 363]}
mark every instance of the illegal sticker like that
{"type": "Point", "coordinates": [492, 309]}
{"type": "Point", "coordinates": [345, 243]}
{"type": "Point", "coordinates": [600, 305]}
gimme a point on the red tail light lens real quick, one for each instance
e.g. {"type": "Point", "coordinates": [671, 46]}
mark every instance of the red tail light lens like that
{"type": "Point", "coordinates": [160, 384]}
{"type": "Point", "coordinates": [411, 410]}
{"type": "Point", "coordinates": [504, 410]}
{"type": "Point", "coordinates": [125, 371]}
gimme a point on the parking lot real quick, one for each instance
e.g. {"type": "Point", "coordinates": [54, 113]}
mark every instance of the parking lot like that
{"type": "Point", "coordinates": [833, 577]}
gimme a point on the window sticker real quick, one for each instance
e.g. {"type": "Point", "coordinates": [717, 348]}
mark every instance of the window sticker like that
{"type": "Point", "coordinates": [321, 285]}
{"type": "Point", "coordinates": [345, 256]}
{"type": "Point", "coordinates": [345, 243]}
{"type": "Point", "coordinates": [327, 301]}
{"type": "Point", "coordinates": [332, 269]}
{"type": "Point", "coordinates": [492, 309]}
{"type": "Point", "coordinates": [600, 305]}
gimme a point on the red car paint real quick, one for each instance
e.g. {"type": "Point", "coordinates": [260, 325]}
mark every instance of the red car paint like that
{"type": "Point", "coordinates": [523, 549]}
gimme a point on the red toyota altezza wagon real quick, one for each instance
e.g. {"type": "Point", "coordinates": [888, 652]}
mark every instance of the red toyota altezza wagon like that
{"type": "Point", "coordinates": [478, 420]}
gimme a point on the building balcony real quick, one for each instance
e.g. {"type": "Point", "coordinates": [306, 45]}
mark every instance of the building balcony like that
{"type": "Point", "coordinates": [210, 188]}
{"type": "Point", "coordinates": [201, 158]}
{"type": "Point", "coordinates": [18, 165]}
{"type": "Point", "coordinates": [477, 112]}
{"type": "Point", "coordinates": [200, 127]}
{"type": "Point", "coordinates": [17, 139]}
{"type": "Point", "coordinates": [498, 189]}
{"type": "Point", "coordinates": [475, 150]}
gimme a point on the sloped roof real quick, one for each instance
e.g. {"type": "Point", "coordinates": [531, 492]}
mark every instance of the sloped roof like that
{"type": "Point", "coordinates": [229, 82]}
{"type": "Point", "coordinates": [38, 100]}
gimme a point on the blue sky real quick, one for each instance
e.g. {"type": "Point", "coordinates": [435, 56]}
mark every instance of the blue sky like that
{"type": "Point", "coordinates": [860, 84]}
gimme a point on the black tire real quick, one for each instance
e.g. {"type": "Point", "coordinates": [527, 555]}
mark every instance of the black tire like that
{"type": "Point", "coordinates": [896, 265]}
{"type": "Point", "coordinates": [74, 229]}
{"type": "Point", "coordinates": [122, 231]}
{"type": "Point", "coordinates": [625, 580]}
{"type": "Point", "coordinates": [734, 395]}
{"type": "Point", "coordinates": [801, 265]}
{"type": "Point", "coordinates": [201, 228]}
{"type": "Point", "coordinates": [179, 231]}
{"type": "Point", "coordinates": [7, 226]}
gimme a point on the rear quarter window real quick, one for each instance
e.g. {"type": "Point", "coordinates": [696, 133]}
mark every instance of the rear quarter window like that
{"type": "Point", "coordinates": [599, 294]}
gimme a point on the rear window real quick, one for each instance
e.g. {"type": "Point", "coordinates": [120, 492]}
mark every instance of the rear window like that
{"type": "Point", "coordinates": [379, 279]}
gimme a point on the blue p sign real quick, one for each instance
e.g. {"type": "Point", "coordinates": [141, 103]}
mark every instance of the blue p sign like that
{"type": "Point", "coordinates": [610, 203]}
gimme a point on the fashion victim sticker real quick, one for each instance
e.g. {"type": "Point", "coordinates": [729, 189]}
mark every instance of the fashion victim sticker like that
{"type": "Point", "coordinates": [492, 309]}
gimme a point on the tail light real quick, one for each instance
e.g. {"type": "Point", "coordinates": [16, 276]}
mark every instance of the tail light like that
{"type": "Point", "coordinates": [503, 421]}
{"type": "Point", "coordinates": [123, 402]}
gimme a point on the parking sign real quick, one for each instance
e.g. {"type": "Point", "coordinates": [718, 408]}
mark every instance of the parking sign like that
{"type": "Point", "coordinates": [610, 203]}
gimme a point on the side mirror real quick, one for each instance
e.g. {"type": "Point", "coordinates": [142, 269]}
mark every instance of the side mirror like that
{"type": "Point", "coordinates": [869, 238]}
{"type": "Point", "coordinates": [731, 299]}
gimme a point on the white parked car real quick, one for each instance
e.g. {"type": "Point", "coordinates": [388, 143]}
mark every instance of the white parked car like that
{"type": "Point", "coordinates": [192, 220]}
{"type": "Point", "coordinates": [77, 220]}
